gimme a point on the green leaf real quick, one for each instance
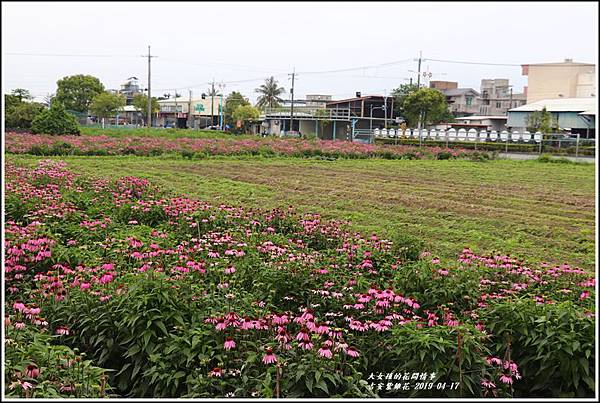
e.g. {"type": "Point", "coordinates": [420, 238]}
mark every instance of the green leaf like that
{"type": "Point", "coordinates": [323, 386]}
{"type": "Point", "coordinates": [309, 384]}
{"type": "Point", "coordinates": [162, 327]}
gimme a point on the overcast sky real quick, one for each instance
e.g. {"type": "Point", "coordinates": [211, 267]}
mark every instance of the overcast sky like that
{"type": "Point", "coordinates": [196, 42]}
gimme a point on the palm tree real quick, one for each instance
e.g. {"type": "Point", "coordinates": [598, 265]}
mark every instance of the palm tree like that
{"type": "Point", "coordinates": [270, 92]}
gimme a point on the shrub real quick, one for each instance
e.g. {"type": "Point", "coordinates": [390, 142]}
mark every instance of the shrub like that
{"type": "Point", "coordinates": [53, 371]}
{"type": "Point", "coordinates": [23, 115]}
{"type": "Point", "coordinates": [444, 155]}
{"type": "Point", "coordinates": [55, 121]}
{"type": "Point", "coordinates": [407, 247]}
{"type": "Point", "coordinates": [552, 343]}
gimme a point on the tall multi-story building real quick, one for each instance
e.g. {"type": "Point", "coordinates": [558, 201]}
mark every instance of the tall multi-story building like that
{"type": "Point", "coordinates": [497, 97]}
{"type": "Point", "coordinates": [566, 79]}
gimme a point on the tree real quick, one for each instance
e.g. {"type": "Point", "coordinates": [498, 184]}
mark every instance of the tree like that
{"type": "Point", "coordinates": [399, 94]}
{"type": "Point", "coordinates": [427, 104]}
{"type": "Point", "coordinates": [55, 120]}
{"type": "Point", "coordinates": [48, 98]}
{"type": "Point", "coordinates": [106, 104]}
{"type": "Point", "coordinates": [140, 101]}
{"type": "Point", "coordinates": [11, 102]}
{"type": "Point", "coordinates": [541, 121]}
{"type": "Point", "coordinates": [323, 115]}
{"type": "Point", "coordinates": [245, 113]}
{"type": "Point", "coordinates": [232, 101]}
{"type": "Point", "coordinates": [22, 116]}
{"type": "Point", "coordinates": [270, 92]}
{"type": "Point", "coordinates": [76, 92]}
{"type": "Point", "coordinates": [21, 94]}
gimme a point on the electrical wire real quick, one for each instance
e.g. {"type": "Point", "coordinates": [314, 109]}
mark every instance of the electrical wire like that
{"type": "Point", "coordinates": [62, 55]}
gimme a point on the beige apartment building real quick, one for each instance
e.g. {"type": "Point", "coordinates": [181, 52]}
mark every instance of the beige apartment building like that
{"type": "Point", "coordinates": [566, 79]}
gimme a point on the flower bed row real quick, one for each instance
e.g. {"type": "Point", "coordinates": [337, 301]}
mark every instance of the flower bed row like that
{"type": "Point", "coordinates": [200, 147]}
{"type": "Point", "coordinates": [179, 298]}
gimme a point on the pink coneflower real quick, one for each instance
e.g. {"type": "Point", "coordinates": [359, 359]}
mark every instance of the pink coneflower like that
{"type": "Point", "coordinates": [435, 260]}
{"type": "Point", "coordinates": [63, 331]}
{"type": "Point", "coordinates": [221, 325]}
{"type": "Point", "coordinates": [19, 325]}
{"type": "Point", "coordinates": [442, 272]}
{"type": "Point", "coordinates": [32, 371]}
{"type": "Point", "coordinates": [19, 306]}
{"type": "Point", "coordinates": [506, 379]}
{"type": "Point", "coordinates": [26, 385]}
{"type": "Point", "coordinates": [303, 335]}
{"type": "Point", "coordinates": [282, 335]}
{"type": "Point", "coordinates": [106, 278]}
{"type": "Point", "coordinates": [230, 270]}
{"type": "Point", "coordinates": [280, 319]}
{"type": "Point", "coordinates": [269, 357]}
{"type": "Point", "coordinates": [229, 343]}
{"type": "Point", "coordinates": [84, 286]}
{"type": "Point", "coordinates": [494, 360]}
{"type": "Point", "coordinates": [216, 372]}
{"type": "Point", "coordinates": [325, 352]}
{"type": "Point", "coordinates": [305, 345]}
{"type": "Point", "coordinates": [488, 384]}
{"type": "Point", "coordinates": [352, 352]}
{"type": "Point", "coordinates": [584, 295]}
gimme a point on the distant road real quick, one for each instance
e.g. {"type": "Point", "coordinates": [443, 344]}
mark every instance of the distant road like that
{"type": "Point", "coordinates": [519, 156]}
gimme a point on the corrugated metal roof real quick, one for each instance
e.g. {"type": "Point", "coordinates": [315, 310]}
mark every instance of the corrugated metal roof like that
{"type": "Point", "coordinates": [358, 99]}
{"type": "Point", "coordinates": [559, 105]}
{"type": "Point", "coordinates": [458, 91]}
{"type": "Point", "coordinates": [482, 118]}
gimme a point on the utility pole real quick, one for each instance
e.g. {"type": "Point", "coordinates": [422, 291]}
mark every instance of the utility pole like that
{"type": "Point", "coordinates": [176, 113]}
{"type": "Point", "coordinates": [510, 102]}
{"type": "Point", "coordinates": [212, 102]}
{"type": "Point", "coordinates": [190, 110]}
{"type": "Point", "coordinates": [419, 70]}
{"type": "Point", "coordinates": [292, 107]}
{"type": "Point", "coordinates": [149, 123]}
{"type": "Point", "coordinates": [418, 87]}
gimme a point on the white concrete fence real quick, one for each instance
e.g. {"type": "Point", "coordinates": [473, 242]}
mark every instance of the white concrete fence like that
{"type": "Point", "coordinates": [460, 135]}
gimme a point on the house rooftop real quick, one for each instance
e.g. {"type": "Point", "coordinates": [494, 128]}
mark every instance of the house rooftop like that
{"type": "Point", "coordinates": [559, 105]}
{"type": "Point", "coordinates": [357, 99]}
{"type": "Point", "coordinates": [566, 62]}
{"type": "Point", "coordinates": [458, 91]}
{"type": "Point", "coordinates": [482, 118]}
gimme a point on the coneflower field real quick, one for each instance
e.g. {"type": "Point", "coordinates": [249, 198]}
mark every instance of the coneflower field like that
{"type": "Point", "coordinates": [116, 288]}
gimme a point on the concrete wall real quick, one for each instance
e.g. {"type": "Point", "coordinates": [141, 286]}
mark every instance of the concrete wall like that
{"type": "Point", "coordinates": [560, 80]}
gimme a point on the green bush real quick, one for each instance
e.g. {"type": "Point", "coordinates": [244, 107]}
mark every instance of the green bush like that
{"type": "Point", "coordinates": [56, 371]}
{"type": "Point", "coordinates": [407, 247]}
{"type": "Point", "coordinates": [22, 116]}
{"type": "Point", "coordinates": [552, 343]}
{"type": "Point", "coordinates": [446, 352]}
{"type": "Point", "coordinates": [55, 121]}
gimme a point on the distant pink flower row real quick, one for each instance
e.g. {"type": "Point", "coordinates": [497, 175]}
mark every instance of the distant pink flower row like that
{"type": "Point", "coordinates": [95, 145]}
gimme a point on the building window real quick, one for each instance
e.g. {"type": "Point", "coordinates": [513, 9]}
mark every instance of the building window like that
{"type": "Point", "coordinates": [498, 104]}
{"type": "Point", "coordinates": [469, 101]}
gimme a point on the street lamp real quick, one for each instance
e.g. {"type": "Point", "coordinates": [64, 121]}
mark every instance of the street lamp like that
{"type": "Point", "coordinates": [383, 108]}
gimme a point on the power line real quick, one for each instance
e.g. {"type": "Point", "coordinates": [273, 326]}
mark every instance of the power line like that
{"type": "Point", "coordinates": [62, 55]}
{"type": "Point", "coordinates": [477, 63]}
{"type": "Point", "coordinates": [238, 66]}
{"type": "Point", "coordinates": [356, 68]}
